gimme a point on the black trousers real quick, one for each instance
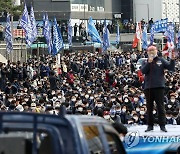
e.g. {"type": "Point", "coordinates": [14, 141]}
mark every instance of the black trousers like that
{"type": "Point", "coordinates": [157, 95]}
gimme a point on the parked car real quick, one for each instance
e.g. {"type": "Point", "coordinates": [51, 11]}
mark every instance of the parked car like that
{"type": "Point", "coordinates": [30, 133]}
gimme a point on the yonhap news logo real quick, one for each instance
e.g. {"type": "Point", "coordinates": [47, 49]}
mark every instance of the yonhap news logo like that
{"type": "Point", "coordinates": [132, 139]}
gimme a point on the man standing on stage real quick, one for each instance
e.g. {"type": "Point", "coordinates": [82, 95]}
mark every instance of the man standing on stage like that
{"type": "Point", "coordinates": [154, 85]}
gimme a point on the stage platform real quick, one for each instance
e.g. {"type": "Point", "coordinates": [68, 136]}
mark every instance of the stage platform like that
{"type": "Point", "coordinates": [137, 141]}
{"type": "Point", "coordinates": [173, 130]}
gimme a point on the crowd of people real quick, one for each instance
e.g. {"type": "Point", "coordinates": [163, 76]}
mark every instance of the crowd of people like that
{"type": "Point", "coordinates": [106, 85]}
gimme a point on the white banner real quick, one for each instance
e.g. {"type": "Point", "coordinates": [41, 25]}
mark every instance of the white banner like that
{"type": "Point", "coordinates": [75, 7]}
{"type": "Point", "coordinates": [83, 7]}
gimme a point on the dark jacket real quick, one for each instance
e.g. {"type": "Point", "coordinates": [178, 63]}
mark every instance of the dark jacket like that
{"type": "Point", "coordinates": [154, 72]}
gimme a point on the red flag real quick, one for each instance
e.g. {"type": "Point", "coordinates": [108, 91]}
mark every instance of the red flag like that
{"type": "Point", "coordinates": [169, 47]}
{"type": "Point", "coordinates": [137, 36]}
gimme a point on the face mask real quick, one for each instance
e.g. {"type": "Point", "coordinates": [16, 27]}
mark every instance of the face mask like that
{"type": "Point", "coordinates": [89, 114]}
{"type": "Point", "coordinates": [135, 99]}
{"type": "Point", "coordinates": [99, 105]}
{"type": "Point", "coordinates": [91, 98]}
{"type": "Point", "coordinates": [86, 96]}
{"type": "Point", "coordinates": [76, 95]}
{"type": "Point", "coordinates": [168, 118]}
{"type": "Point", "coordinates": [10, 100]}
{"type": "Point", "coordinates": [95, 96]}
{"type": "Point", "coordinates": [26, 99]}
{"type": "Point", "coordinates": [135, 118]}
{"type": "Point", "coordinates": [126, 100]}
{"type": "Point", "coordinates": [54, 98]}
{"type": "Point", "coordinates": [106, 117]}
{"type": "Point", "coordinates": [73, 99]}
{"type": "Point", "coordinates": [33, 108]}
{"type": "Point", "coordinates": [130, 122]}
{"type": "Point", "coordinates": [112, 116]}
{"type": "Point", "coordinates": [169, 106]}
{"type": "Point", "coordinates": [125, 96]}
{"type": "Point", "coordinates": [154, 112]}
{"type": "Point", "coordinates": [142, 95]}
{"type": "Point", "coordinates": [123, 110]}
{"type": "Point", "coordinates": [142, 112]}
{"type": "Point", "coordinates": [173, 100]}
{"type": "Point", "coordinates": [59, 96]}
{"type": "Point", "coordinates": [51, 112]}
{"type": "Point", "coordinates": [89, 92]}
{"type": "Point", "coordinates": [137, 109]}
{"type": "Point", "coordinates": [80, 109]}
{"type": "Point", "coordinates": [113, 100]}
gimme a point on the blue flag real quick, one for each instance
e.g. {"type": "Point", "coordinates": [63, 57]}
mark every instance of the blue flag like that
{"type": "Point", "coordinates": [118, 34]}
{"type": "Point", "coordinates": [47, 32]}
{"type": "Point", "coordinates": [93, 31]}
{"type": "Point", "coordinates": [144, 38]}
{"type": "Point", "coordinates": [57, 39]}
{"type": "Point", "coordinates": [152, 35]}
{"type": "Point", "coordinates": [33, 25]}
{"type": "Point", "coordinates": [161, 25]}
{"type": "Point", "coordinates": [70, 33]}
{"type": "Point", "coordinates": [178, 37]}
{"type": "Point", "coordinates": [169, 33]}
{"type": "Point", "coordinates": [26, 25]}
{"type": "Point", "coordinates": [8, 35]}
{"type": "Point", "coordinates": [106, 43]}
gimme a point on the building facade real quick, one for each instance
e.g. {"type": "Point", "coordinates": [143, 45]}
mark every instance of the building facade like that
{"type": "Point", "coordinates": [156, 9]}
{"type": "Point", "coordinates": [77, 9]}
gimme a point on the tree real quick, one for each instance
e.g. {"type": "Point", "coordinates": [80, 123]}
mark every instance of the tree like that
{"type": "Point", "coordinates": [7, 6]}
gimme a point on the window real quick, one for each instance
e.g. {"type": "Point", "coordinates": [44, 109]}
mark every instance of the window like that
{"type": "Point", "coordinates": [93, 139]}
{"type": "Point", "coordinates": [21, 142]}
{"type": "Point", "coordinates": [115, 145]}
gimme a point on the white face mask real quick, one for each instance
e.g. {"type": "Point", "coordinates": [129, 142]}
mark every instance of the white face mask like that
{"type": "Point", "coordinates": [142, 112]}
{"type": "Point", "coordinates": [106, 117]}
{"type": "Point", "coordinates": [59, 96]}
{"type": "Point", "coordinates": [154, 112]}
{"type": "Point", "coordinates": [135, 99]}
{"type": "Point", "coordinates": [33, 108]}
{"type": "Point", "coordinates": [113, 116]}
{"type": "Point", "coordinates": [123, 110]}
{"type": "Point", "coordinates": [173, 100]}
{"type": "Point", "coordinates": [168, 118]}
{"type": "Point", "coordinates": [89, 92]}
{"type": "Point", "coordinates": [26, 99]}
{"type": "Point", "coordinates": [80, 109]}
{"type": "Point", "coordinates": [142, 95]}
{"type": "Point", "coordinates": [113, 99]}
{"type": "Point", "coordinates": [137, 109]}
{"type": "Point", "coordinates": [51, 112]}
{"type": "Point", "coordinates": [89, 114]}
{"type": "Point", "coordinates": [73, 99]}
{"type": "Point", "coordinates": [169, 106]}
{"type": "Point", "coordinates": [91, 98]}
{"type": "Point", "coordinates": [126, 100]}
{"type": "Point", "coordinates": [33, 100]}
{"type": "Point", "coordinates": [10, 100]}
{"type": "Point", "coordinates": [86, 96]}
{"type": "Point", "coordinates": [99, 105]}
{"type": "Point", "coordinates": [135, 118]}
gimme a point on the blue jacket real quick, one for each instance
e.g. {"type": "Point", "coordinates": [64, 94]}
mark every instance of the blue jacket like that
{"type": "Point", "coordinates": [154, 72]}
